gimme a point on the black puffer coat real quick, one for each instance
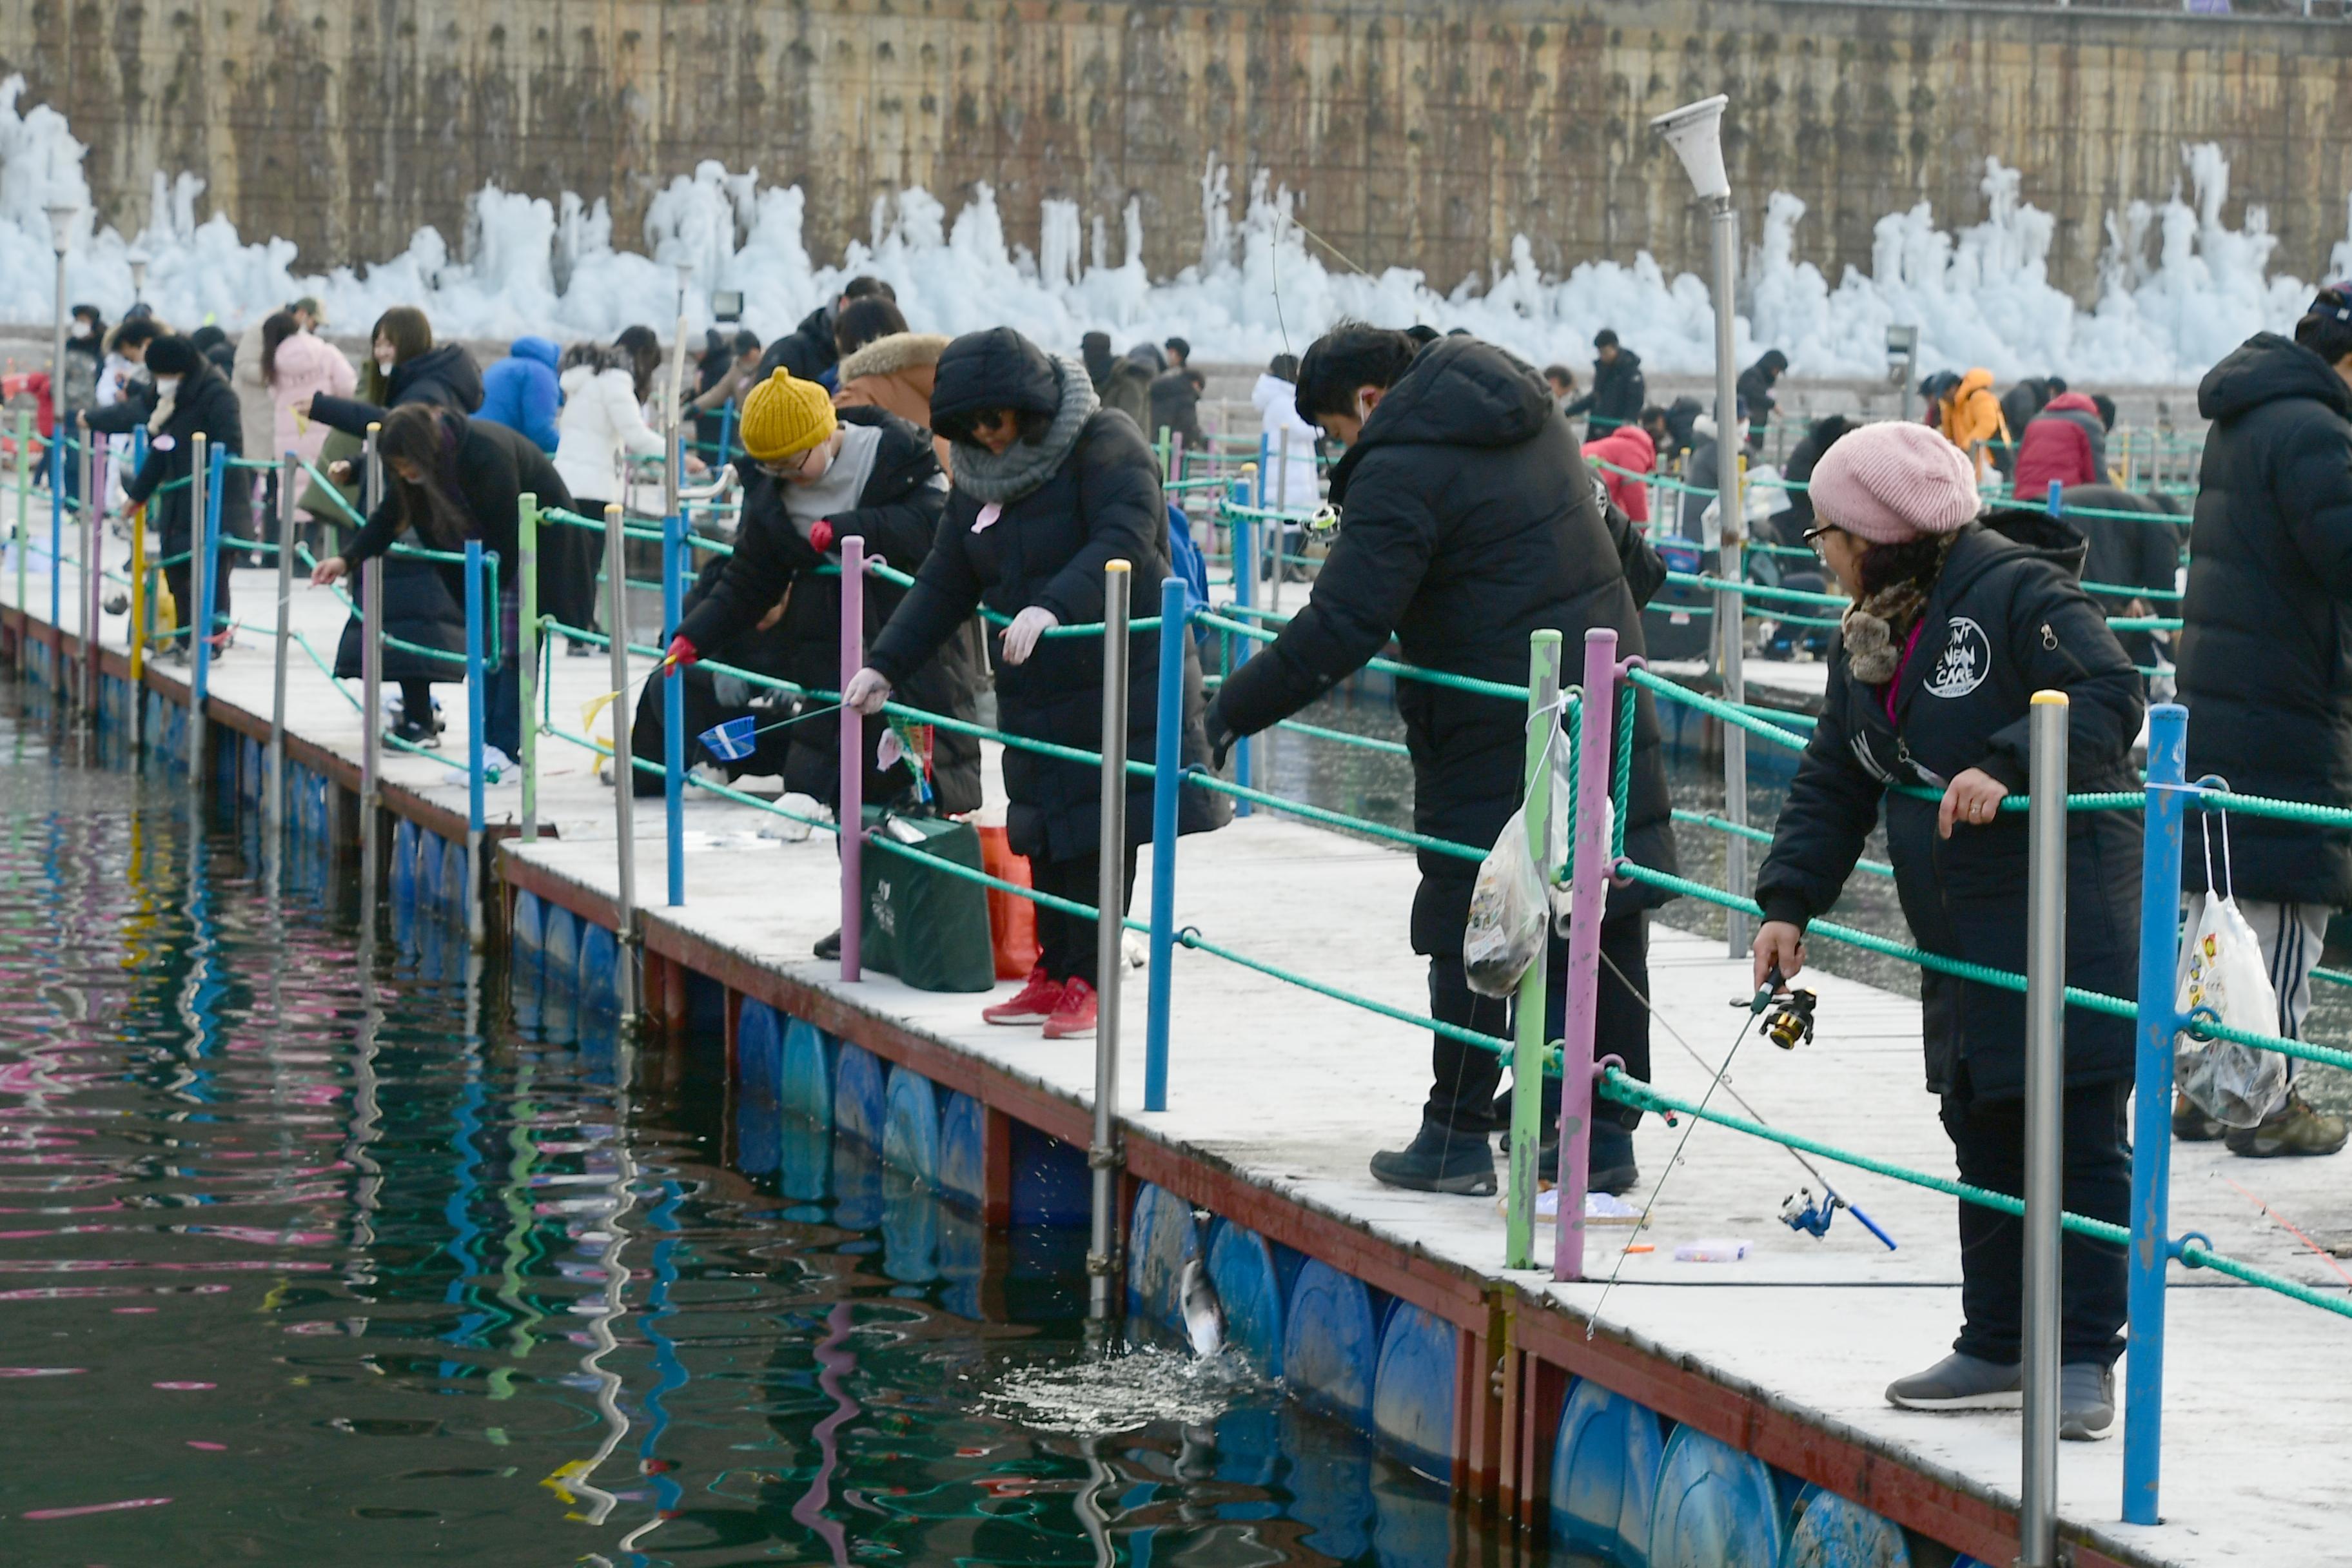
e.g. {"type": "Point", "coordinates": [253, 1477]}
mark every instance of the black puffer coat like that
{"type": "Point", "coordinates": [445, 376]}
{"type": "Point", "coordinates": [1619, 390]}
{"type": "Point", "coordinates": [897, 516]}
{"type": "Point", "coordinates": [2124, 550]}
{"type": "Point", "coordinates": [807, 351]}
{"type": "Point", "coordinates": [2267, 641]}
{"type": "Point", "coordinates": [711, 700]}
{"type": "Point", "coordinates": [1467, 521]}
{"type": "Point", "coordinates": [2004, 621]}
{"type": "Point", "coordinates": [204, 403]}
{"type": "Point", "coordinates": [1098, 501]}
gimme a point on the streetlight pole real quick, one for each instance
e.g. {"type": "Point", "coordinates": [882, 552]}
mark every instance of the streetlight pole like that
{"type": "Point", "coordinates": [1695, 133]}
{"type": "Point", "coordinates": [61, 216]}
{"type": "Point", "coordinates": [138, 260]}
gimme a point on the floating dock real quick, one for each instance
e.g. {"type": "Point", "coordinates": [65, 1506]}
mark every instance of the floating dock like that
{"type": "Point", "coordinates": [1728, 1413]}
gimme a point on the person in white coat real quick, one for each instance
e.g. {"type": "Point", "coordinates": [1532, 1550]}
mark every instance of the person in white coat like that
{"type": "Point", "coordinates": [601, 424]}
{"type": "Point", "coordinates": [1290, 479]}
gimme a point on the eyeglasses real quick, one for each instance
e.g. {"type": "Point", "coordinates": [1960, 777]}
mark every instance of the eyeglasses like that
{"type": "Point", "coordinates": [1812, 536]}
{"type": "Point", "coordinates": [790, 467]}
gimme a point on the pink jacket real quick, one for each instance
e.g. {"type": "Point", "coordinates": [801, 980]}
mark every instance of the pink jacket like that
{"type": "Point", "coordinates": [306, 363]}
{"type": "Point", "coordinates": [1627, 446]}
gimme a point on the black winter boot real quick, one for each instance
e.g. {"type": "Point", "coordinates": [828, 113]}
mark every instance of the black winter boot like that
{"type": "Point", "coordinates": [1609, 1169]}
{"type": "Point", "coordinates": [1439, 1159]}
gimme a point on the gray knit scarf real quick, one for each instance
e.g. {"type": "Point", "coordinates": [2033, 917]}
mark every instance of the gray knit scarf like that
{"type": "Point", "coordinates": [1021, 467]}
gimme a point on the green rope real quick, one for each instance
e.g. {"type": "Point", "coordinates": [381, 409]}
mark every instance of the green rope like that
{"type": "Point", "coordinates": [1725, 711]}
{"type": "Point", "coordinates": [1406, 672]}
{"type": "Point", "coordinates": [1369, 742]}
{"type": "Point", "coordinates": [1621, 787]}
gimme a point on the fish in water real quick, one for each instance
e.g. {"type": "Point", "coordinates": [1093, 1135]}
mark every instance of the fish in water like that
{"type": "Point", "coordinates": [1204, 1315]}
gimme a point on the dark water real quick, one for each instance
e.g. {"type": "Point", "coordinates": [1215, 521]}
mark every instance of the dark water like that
{"type": "Point", "coordinates": [309, 1253]}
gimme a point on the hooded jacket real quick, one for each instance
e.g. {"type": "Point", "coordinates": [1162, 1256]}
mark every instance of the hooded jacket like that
{"type": "Point", "coordinates": [1291, 488]}
{"type": "Point", "coordinates": [600, 420]}
{"type": "Point", "coordinates": [807, 351]}
{"type": "Point", "coordinates": [307, 364]}
{"type": "Point", "coordinates": [204, 403]}
{"type": "Point", "coordinates": [1970, 418]}
{"type": "Point", "coordinates": [1628, 447]}
{"type": "Point", "coordinates": [1176, 406]}
{"type": "Point", "coordinates": [897, 516]}
{"type": "Point", "coordinates": [894, 373]}
{"type": "Point", "coordinates": [520, 391]}
{"type": "Point", "coordinates": [489, 468]}
{"type": "Point", "coordinates": [445, 376]}
{"type": "Point", "coordinates": [2065, 443]}
{"type": "Point", "coordinates": [1467, 521]}
{"type": "Point", "coordinates": [1618, 394]}
{"type": "Point", "coordinates": [1058, 511]}
{"type": "Point", "coordinates": [2004, 620]}
{"type": "Point", "coordinates": [1754, 389]}
{"type": "Point", "coordinates": [2266, 649]}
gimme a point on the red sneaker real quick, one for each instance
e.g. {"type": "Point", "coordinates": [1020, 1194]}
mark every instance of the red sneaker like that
{"type": "Point", "coordinates": [1035, 1002]}
{"type": "Point", "coordinates": [1074, 1019]}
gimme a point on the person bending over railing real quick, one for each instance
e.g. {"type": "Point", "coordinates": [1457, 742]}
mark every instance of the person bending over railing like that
{"type": "Point", "coordinates": [1953, 629]}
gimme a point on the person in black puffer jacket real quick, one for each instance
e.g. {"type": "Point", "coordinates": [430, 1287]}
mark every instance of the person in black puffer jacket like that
{"type": "Point", "coordinates": [879, 480]}
{"type": "Point", "coordinates": [1468, 520]}
{"type": "Point", "coordinates": [406, 368]}
{"type": "Point", "coordinates": [191, 397]}
{"type": "Point", "coordinates": [1619, 387]}
{"type": "Point", "coordinates": [2127, 552]}
{"type": "Point", "coordinates": [1049, 489]}
{"type": "Point", "coordinates": [2266, 659]}
{"type": "Point", "coordinates": [1927, 714]}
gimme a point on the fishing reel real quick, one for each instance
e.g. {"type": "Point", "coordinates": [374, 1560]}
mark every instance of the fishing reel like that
{"type": "Point", "coordinates": [1323, 522]}
{"type": "Point", "coordinates": [1788, 1018]}
{"type": "Point", "coordinates": [1802, 1211]}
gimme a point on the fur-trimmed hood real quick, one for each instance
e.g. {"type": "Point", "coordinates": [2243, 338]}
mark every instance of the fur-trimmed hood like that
{"type": "Point", "coordinates": [891, 355]}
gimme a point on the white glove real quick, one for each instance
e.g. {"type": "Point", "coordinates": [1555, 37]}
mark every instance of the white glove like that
{"type": "Point", "coordinates": [865, 692]}
{"type": "Point", "coordinates": [1021, 637]}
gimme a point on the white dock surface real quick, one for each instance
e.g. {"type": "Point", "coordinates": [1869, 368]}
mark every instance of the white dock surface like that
{"type": "Point", "coordinates": [1298, 1090]}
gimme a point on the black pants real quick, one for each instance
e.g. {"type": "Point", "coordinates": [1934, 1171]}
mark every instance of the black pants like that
{"type": "Point", "coordinates": [1988, 1143]}
{"type": "Point", "coordinates": [1065, 943]}
{"type": "Point", "coordinates": [569, 559]}
{"type": "Point", "coordinates": [181, 580]}
{"type": "Point", "coordinates": [1462, 1093]}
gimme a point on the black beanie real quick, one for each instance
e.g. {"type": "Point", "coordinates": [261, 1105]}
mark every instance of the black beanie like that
{"type": "Point", "coordinates": [172, 354]}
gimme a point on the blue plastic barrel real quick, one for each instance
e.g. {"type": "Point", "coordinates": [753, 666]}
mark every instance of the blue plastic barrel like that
{"type": "Point", "coordinates": [759, 1057]}
{"type": "Point", "coordinates": [1330, 1349]}
{"type": "Point", "coordinates": [1831, 1532]}
{"type": "Point", "coordinates": [1242, 1268]}
{"type": "Point", "coordinates": [600, 972]}
{"type": "Point", "coordinates": [858, 1096]}
{"type": "Point", "coordinates": [910, 1128]}
{"type": "Point", "coordinates": [805, 1081]}
{"type": "Point", "coordinates": [1413, 1390]}
{"type": "Point", "coordinates": [453, 878]}
{"type": "Point", "coordinates": [963, 1151]}
{"type": "Point", "coordinates": [1604, 1474]}
{"type": "Point", "coordinates": [1161, 1238]}
{"type": "Point", "coordinates": [1714, 1507]}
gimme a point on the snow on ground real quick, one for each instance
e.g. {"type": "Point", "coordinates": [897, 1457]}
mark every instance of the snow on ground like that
{"type": "Point", "coordinates": [2179, 286]}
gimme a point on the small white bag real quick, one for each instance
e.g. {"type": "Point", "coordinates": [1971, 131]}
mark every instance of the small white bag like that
{"type": "Point", "coordinates": [1510, 909]}
{"type": "Point", "coordinates": [2221, 968]}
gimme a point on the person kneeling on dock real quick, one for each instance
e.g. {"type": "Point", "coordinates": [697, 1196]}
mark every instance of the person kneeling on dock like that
{"type": "Point", "coordinates": [1049, 489]}
{"type": "Point", "coordinates": [1953, 629]}
{"type": "Point", "coordinates": [813, 476]}
{"type": "Point", "coordinates": [1469, 521]}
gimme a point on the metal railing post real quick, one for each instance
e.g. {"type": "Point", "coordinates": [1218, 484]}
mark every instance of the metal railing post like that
{"type": "Point", "coordinates": [616, 628]}
{"type": "Point", "coordinates": [476, 708]}
{"type": "Point", "coordinates": [1244, 545]}
{"type": "Point", "coordinates": [850, 814]}
{"type": "Point", "coordinates": [1596, 721]}
{"type": "Point", "coordinates": [1105, 1276]}
{"type": "Point", "coordinates": [673, 709]}
{"type": "Point", "coordinates": [57, 556]}
{"type": "Point", "coordinates": [93, 576]}
{"type": "Point", "coordinates": [140, 630]}
{"type": "Point", "coordinates": [273, 801]}
{"type": "Point", "coordinates": [1167, 787]}
{"type": "Point", "coordinates": [2045, 1089]}
{"type": "Point", "coordinates": [1731, 624]}
{"type": "Point", "coordinates": [2151, 1200]}
{"type": "Point", "coordinates": [1528, 1020]}
{"type": "Point", "coordinates": [196, 614]}
{"type": "Point", "coordinates": [1279, 527]}
{"type": "Point", "coordinates": [24, 535]}
{"type": "Point", "coordinates": [526, 653]}
{"type": "Point", "coordinates": [371, 693]}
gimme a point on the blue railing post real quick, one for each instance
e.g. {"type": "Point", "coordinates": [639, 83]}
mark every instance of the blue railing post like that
{"type": "Point", "coordinates": [56, 556]}
{"type": "Point", "coordinates": [726, 433]}
{"type": "Point", "coordinates": [1244, 564]}
{"type": "Point", "coordinates": [672, 709]}
{"type": "Point", "coordinates": [2151, 1195]}
{"type": "Point", "coordinates": [477, 706]}
{"type": "Point", "coordinates": [2057, 490]}
{"type": "Point", "coordinates": [207, 540]}
{"type": "Point", "coordinates": [1167, 782]}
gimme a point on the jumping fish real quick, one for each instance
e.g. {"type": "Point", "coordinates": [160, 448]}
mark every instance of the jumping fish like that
{"type": "Point", "coordinates": [1204, 1315]}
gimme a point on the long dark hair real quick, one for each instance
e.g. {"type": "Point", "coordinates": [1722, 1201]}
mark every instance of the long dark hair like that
{"type": "Point", "coordinates": [275, 328]}
{"type": "Point", "coordinates": [429, 436]}
{"type": "Point", "coordinates": [410, 334]}
{"type": "Point", "coordinates": [1918, 561]}
{"type": "Point", "coordinates": [644, 357]}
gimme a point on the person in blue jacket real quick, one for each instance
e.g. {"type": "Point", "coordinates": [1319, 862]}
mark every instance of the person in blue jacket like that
{"type": "Point", "coordinates": [520, 392]}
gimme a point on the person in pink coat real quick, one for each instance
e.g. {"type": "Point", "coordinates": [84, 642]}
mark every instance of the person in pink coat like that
{"type": "Point", "coordinates": [296, 364]}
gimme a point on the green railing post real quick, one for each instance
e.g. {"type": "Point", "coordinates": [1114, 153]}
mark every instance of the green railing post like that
{"type": "Point", "coordinates": [527, 652]}
{"type": "Point", "coordinates": [1528, 1020]}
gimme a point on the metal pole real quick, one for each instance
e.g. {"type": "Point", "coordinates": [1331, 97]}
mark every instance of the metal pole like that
{"type": "Point", "coordinates": [1243, 544]}
{"type": "Point", "coordinates": [1167, 785]}
{"type": "Point", "coordinates": [196, 616]}
{"type": "Point", "coordinates": [143, 608]}
{"type": "Point", "coordinates": [1596, 721]}
{"type": "Point", "coordinates": [617, 629]}
{"type": "Point", "coordinates": [674, 708]}
{"type": "Point", "coordinates": [93, 577]}
{"type": "Point", "coordinates": [2151, 1203]}
{"type": "Point", "coordinates": [851, 812]}
{"type": "Point", "coordinates": [24, 534]}
{"type": "Point", "coordinates": [273, 803]}
{"type": "Point", "coordinates": [57, 563]}
{"type": "Point", "coordinates": [1527, 1042]}
{"type": "Point", "coordinates": [1731, 526]}
{"type": "Point", "coordinates": [1105, 1275]}
{"type": "Point", "coordinates": [527, 651]}
{"type": "Point", "coordinates": [1281, 527]}
{"type": "Point", "coordinates": [477, 609]}
{"type": "Point", "coordinates": [2045, 1089]}
{"type": "Point", "coordinates": [370, 692]}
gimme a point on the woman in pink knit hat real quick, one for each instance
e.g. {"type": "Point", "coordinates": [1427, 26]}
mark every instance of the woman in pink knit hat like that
{"type": "Point", "coordinates": [1956, 623]}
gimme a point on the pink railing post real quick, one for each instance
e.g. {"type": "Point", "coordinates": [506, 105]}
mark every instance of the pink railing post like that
{"type": "Point", "coordinates": [1597, 721]}
{"type": "Point", "coordinates": [851, 814]}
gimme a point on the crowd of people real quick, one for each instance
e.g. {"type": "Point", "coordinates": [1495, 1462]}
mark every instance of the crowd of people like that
{"type": "Point", "coordinates": [1005, 475]}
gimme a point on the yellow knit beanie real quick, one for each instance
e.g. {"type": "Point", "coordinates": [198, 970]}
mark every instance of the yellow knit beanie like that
{"type": "Point", "coordinates": [785, 415]}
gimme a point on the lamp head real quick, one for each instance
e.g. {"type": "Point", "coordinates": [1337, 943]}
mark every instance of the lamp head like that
{"type": "Point", "coordinates": [61, 216]}
{"type": "Point", "coordinates": [1695, 133]}
{"type": "Point", "coordinates": [137, 261]}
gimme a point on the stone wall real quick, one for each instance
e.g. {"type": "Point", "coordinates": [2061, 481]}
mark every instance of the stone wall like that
{"type": "Point", "coordinates": [1421, 133]}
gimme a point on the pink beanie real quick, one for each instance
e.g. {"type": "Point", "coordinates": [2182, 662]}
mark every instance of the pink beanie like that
{"type": "Point", "coordinates": [1893, 483]}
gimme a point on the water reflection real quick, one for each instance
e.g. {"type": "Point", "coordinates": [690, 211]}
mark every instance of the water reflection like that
{"type": "Point", "coordinates": [324, 1244]}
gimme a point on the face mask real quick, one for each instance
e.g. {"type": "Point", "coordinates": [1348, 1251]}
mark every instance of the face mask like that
{"type": "Point", "coordinates": [82, 329]}
{"type": "Point", "coordinates": [384, 359]}
{"type": "Point", "coordinates": [167, 384]}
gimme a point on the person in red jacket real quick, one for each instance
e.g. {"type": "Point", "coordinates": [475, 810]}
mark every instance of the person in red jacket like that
{"type": "Point", "coordinates": [2067, 441]}
{"type": "Point", "coordinates": [1628, 452]}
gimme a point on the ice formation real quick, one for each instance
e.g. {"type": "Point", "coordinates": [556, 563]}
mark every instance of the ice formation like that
{"type": "Point", "coordinates": [2179, 287]}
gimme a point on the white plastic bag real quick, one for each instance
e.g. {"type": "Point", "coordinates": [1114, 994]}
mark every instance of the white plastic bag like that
{"type": "Point", "coordinates": [2221, 968]}
{"type": "Point", "coordinates": [1511, 908]}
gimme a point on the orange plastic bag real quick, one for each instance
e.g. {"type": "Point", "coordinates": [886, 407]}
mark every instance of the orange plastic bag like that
{"type": "Point", "coordinates": [1012, 919]}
